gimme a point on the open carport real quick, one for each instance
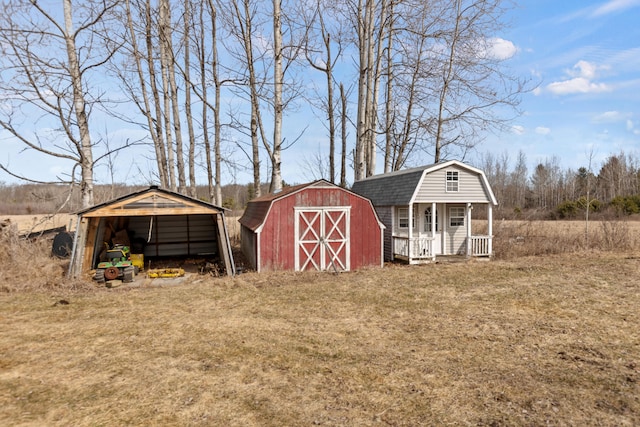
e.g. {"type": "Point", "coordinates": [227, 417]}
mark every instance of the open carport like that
{"type": "Point", "coordinates": [157, 223]}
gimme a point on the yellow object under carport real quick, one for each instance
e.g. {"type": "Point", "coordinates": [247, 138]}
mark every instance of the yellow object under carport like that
{"type": "Point", "coordinates": [165, 272]}
{"type": "Point", "coordinates": [138, 261]}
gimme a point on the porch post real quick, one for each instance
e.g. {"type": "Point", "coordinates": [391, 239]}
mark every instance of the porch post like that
{"type": "Point", "coordinates": [490, 227]}
{"type": "Point", "coordinates": [469, 249]}
{"type": "Point", "coordinates": [434, 221]}
{"type": "Point", "coordinates": [410, 254]}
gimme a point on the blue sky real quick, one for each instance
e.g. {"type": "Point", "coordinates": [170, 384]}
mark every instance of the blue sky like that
{"type": "Point", "coordinates": [584, 54]}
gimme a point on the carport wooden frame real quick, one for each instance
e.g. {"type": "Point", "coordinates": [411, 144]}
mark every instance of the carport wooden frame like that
{"type": "Point", "coordinates": [151, 202]}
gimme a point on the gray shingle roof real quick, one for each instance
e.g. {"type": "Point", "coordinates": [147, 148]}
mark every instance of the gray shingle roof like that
{"type": "Point", "coordinates": [391, 189]}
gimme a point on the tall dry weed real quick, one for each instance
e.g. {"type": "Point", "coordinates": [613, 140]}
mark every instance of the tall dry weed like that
{"type": "Point", "coordinates": [28, 265]}
{"type": "Point", "coordinates": [617, 235]}
{"type": "Point", "coordinates": [514, 239]}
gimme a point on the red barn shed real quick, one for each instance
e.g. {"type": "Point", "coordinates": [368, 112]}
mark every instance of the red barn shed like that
{"type": "Point", "coordinates": [315, 226]}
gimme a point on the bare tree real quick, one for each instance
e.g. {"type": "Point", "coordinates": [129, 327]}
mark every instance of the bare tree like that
{"type": "Point", "coordinates": [215, 190]}
{"type": "Point", "coordinates": [278, 81]}
{"type": "Point", "coordinates": [47, 63]}
{"type": "Point", "coordinates": [170, 91]}
{"type": "Point", "coordinates": [409, 68]}
{"type": "Point", "coordinates": [365, 20]}
{"type": "Point", "coordinates": [343, 136]}
{"type": "Point", "coordinates": [518, 182]}
{"type": "Point", "coordinates": [320, 42]}
{"type": "Point", "coordinates": [265, 60]}
{"type": "Point", "coordinates": [140, 83]}
{"type": "Point", "coordinates": [285, 89]}
{"type": "Point", "coordinates": [186, 71]}
{"type": "Point", "coordinates": [471, 84]}
{"type": "Point", "coordinates": [155, 72]}
{"type": "Point", "coordinates": [240, 21]}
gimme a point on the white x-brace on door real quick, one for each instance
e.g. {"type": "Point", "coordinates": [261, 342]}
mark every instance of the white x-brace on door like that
{"type": "Point", "coordinates": [322, 239]}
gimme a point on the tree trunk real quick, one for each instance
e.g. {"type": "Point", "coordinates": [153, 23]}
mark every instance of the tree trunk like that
{"type": "Point", "coordinates": [255, 102]}
{"type": "Point", "coordinates": [169, 56]}
{"type": "Point", "coordinates": [364, 26]}
{"type": "Point", "coordinates": [446, 80]}
{"type": "Point", "coordinates": [278, 77]}
{"type": "Point", "coordinates": [153, 122]}
{"type": "Point", "coordinates": [187, 98]}
{"type": "Point", "coordinates": [202, 59]}
{"type": "Point", "coordinates": [215, 69]}
{"type": "Point", "coordinates": [389, 105]}
{"type": "Point", "coordinates": [165, 34]}
{"type": "Point", "coordinates": [86, 154]}
{"type": "Point", "coordinates": [343, 134]}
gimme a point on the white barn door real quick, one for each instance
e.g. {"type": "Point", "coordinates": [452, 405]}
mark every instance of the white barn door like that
{"type": "Point", "coordinates": [322, 239]}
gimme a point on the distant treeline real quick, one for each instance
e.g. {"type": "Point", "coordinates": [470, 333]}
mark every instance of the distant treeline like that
{"type": "Point", "coordinates": [550, 191]}
{"type": "Point", "coordinates": [547, 192]}
{"type": "Point", "coordinates": [21, 199]}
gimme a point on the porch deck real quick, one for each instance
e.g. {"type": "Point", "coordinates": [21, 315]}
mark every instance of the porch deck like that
{"type": "Point", "coordinates": [418, 250]}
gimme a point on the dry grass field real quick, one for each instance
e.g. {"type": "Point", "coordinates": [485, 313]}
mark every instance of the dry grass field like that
{"type": "Point", "coordinates": [551, 339]}
{"type": "Point", "coordinates": [35, 223]}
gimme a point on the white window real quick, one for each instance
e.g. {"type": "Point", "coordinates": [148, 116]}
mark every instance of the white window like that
{"type": "Point", "coordinates": [452, 181]}
{"type": "Point", "coordinates": [456, 216]}
{"type": "Point", "coordinates": [403, 217]}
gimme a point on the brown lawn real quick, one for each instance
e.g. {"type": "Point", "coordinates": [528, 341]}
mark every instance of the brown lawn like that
{"type": "Point", "coordinates": [547, 340]}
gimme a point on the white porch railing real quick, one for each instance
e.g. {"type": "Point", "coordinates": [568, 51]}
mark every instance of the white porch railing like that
{"type": "Point", "coordinates": [421, 247]}
{"type": "Point", "coordinates": [480, 245]}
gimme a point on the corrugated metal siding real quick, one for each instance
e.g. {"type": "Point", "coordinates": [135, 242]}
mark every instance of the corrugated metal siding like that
{"type": "Point", "coordinates": [470, 188]}
{"type": "Point", "coordinates": [177, 235]}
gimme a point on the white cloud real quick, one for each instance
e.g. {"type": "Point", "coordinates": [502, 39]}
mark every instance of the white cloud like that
{"type": "Point", "coordinates": [583, 74]}
{"type": "Point", "coordinates": [517, 129]}
{"type": "Point", "coordinates": [610, 117]}
{"type": "Point", "coordinates": [500, 49]}
{"type": "Point", "coordinates": [613, 6]}
{"type": "Point", "coordinates": [583, 69]}
{"type": "Point", "coordinates": [577, 85]}
{"type": "Point", "coordinates": [541, 130]}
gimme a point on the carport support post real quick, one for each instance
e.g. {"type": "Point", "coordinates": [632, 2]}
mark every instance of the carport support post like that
{"type": "Point", "coordinates": [76, 253]}
{"type": "Point", "coordinates": [224, 245]}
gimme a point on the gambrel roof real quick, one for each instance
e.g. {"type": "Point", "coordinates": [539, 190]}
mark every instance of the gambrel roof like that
{"type": "Point", "coordinates": [399, 188]}
{"type": "Point", "coordinates": [257, 209]}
